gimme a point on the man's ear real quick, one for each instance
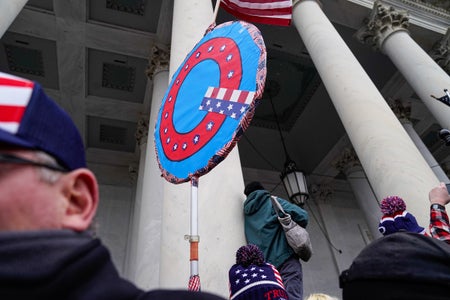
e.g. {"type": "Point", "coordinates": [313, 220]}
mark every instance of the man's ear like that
{"type": "Point", "coordinates": [81, 191]}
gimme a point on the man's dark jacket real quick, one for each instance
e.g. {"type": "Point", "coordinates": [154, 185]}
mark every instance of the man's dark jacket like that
{"type": "Point", "coordinates": [66, 265]}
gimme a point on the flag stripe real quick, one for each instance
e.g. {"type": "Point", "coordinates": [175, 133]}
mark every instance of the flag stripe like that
{"type": "Point", "coordinates": [10, 126]}
{"type": "Point", "coordinates": [11, 113]}
{"type": "Point", "coordinates": [228, 94]}
{"type": "Point", "coordinates": [262, 20]}
{"type": "Point", "coordinates": [214, 93]}
{"type": "Point", "coordinates": [209, 91]}
{"type": "Point", "coordinates": [261, 10]}
{"type": "Point", "coordinates": [14, 95]}
{"type": "Point", "coordinates": [272, 12]}
{"type": "Point", "coordinates": [260, 4]}
{"type": "Point", "coordinates": [6, 79]}
{"type": "Point", "coordinates": [194, 283]}
{"type": "Point", "coordinates": [243, 96]}
{"type": "Point", "coordinates": [221, 93]}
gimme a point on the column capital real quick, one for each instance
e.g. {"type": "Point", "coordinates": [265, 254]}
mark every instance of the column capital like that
{"type": "Point", "coordinates": [401, 110]}
{"type": "Point", "coordinates": [322, 191]}
{"type": "Point", "coordinates": [133, 173]}
{"type": "Point", "coordinates": [446, 169]}
{"type": "Point", "coordinates": [158, 61]}
{"type": "Point", "coordinates": [346, 160]}
{"type": "Point", "coordinates": [441, 52]}
{"type": "Point", "coordinates": [141, 134]}
{"type": "Point", "coordinates": [383, 21]}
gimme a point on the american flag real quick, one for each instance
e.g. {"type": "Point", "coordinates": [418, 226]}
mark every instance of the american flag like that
{"type": "Point", "coordinates": [15, 94]}
{"type": "Point", "coordinates": [270, 12]}
{"type": "Point", "coordinates": [232, 103]}
{"type": "Point", "coordinates": [243, 279]}
{"type": "Point", "coordinates": [194, 283]}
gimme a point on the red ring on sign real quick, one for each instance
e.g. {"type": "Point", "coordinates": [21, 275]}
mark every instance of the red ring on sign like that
{"type": "Point", "coordinates": [182, 145]}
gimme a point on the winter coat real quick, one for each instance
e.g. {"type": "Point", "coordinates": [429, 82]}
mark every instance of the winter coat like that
{"type": "Point", "coordinates": [263, 229]}
{"type": "Point", "coordinates": [62, 264]}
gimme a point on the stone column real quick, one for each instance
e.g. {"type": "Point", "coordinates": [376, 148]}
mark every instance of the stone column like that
{"type": "Point", "coordinates": [369, 122]}
{"type": "Point", "coordinates": [220, 192]}
{"type": "Point", "coordinates": [387, 31]}
{"type": "Point", "coordinates": [144, 254]}
{"type": "Point", "coordinates": [403, 113]}
{"type": "Point", "coordinates": [9, 11]}
{"type": "Point", "coordinates": [349, 164]}
{"type": "Point", "coordinates": [441, 52]}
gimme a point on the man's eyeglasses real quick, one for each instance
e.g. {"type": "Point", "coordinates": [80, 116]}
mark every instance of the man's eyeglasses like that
{"type": "Point", "coordinates": [12, 159]}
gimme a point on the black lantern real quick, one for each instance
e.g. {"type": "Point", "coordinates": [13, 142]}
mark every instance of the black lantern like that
{"type": "Point", "coordinates": [294, 182]}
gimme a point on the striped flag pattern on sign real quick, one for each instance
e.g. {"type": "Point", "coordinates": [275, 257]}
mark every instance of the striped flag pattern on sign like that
{"type": "Point", "coordinates": [270, 12]}
{"type": "Point", "coordinates": [15, 93]}
{"type": "Point", "coordinates": [232, 103]}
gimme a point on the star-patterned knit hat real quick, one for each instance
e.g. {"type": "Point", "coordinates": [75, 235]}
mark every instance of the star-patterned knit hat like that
{"type": "Point", "coordinates": [251, 278]}
{"type": "Point", "coordinates": [396, 218]}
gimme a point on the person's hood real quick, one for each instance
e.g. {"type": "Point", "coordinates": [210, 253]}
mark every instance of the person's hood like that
{"type": "Point", "coordinates": [255, 200]}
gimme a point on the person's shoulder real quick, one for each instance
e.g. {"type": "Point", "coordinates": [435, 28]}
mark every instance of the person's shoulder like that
{"type": "Point", "coordinates": [178, 294]}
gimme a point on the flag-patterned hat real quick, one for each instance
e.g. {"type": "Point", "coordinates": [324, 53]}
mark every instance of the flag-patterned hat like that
{"type": "Point", "coordinates": [29, 119]}
{"type": "Point", "coordinates": [251, 278]}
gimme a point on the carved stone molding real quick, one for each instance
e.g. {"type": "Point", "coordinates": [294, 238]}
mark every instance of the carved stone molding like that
{"type": "Point", "coordinates": [133, 172]}
{"type": "Point", "coordinates": [383, 21]}
{"type": "Point", "coordinates": [441, 52]}
{"type": "Point", "coordinates": [442, 4]}
{"type": "Point", "coordinates": [158, 61]}
{"type": "Point", "coordinates": [421, 13]}
{"type": "Point", "coordinates": [446, 168]}
{"type": "Point", "coordinates": [400, 109]}
{"type": "Point", "coordinates": [322, 192]}
{"type": "Point", "coordinates": [141, 134]}
{"type": "Point", "coordinates": [346, 160]}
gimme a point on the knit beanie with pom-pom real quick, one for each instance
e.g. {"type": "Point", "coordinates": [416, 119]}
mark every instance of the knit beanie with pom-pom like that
{"type": "Point", "coordinates": [395, 217]}
{"type": "Point", "coordinates": [251, 278]}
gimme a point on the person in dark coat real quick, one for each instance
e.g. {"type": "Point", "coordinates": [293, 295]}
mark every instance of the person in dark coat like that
{"type": "Point", "coordinates": [263, 229]}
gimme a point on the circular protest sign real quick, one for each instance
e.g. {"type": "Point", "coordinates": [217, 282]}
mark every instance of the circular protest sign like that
{"type": "Point", "coordinates": [210, 101]}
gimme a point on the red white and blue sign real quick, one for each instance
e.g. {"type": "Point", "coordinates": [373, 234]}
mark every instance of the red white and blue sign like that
{"type": "Point", "coordinates": [210, 101]}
